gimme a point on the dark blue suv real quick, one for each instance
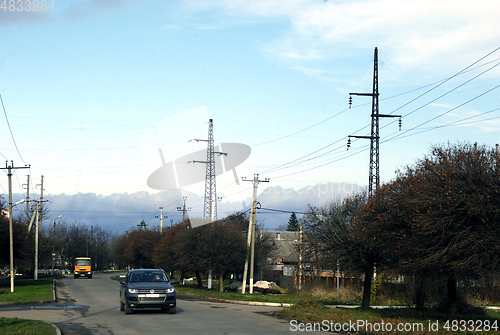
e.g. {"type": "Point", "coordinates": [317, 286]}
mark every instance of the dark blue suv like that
{"type": "Point", "coordinates": [147, 288]}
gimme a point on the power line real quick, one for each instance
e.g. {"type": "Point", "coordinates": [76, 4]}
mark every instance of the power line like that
{"type": "Point", "coordinates": [300, 160]}
{"type": "Point", "coordinates": [11, 134]}
{"type": "Point", "coordinates": [444, 113]}
{"type": "Point", "coordinates": [281, 210]}
{"type": "Point", "coordinates": [447, 79]}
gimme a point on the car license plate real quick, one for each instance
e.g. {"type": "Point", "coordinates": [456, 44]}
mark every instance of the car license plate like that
{"type": "Point", "coordinates": [152, 295]}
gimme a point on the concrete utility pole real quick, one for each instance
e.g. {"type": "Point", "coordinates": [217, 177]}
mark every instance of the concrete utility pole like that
{"type": "Point", "coordinates": [338, 281]}
{"type": "Point", "coordinates": [498, 157]}
{"type": "Point", "coordinates": [374, 175]}
{"type": "Point", "coordinates": [27, 200]}
{"type": "Point", "coordinates": [11, 234]}
{"type": "Point", "coordinates": [251, 236]}
{"type": "Point", "coordinates": [36, 244]}
{"type": "Point", "coordinates": [184, 209]}
{"type": "Point", "coordinates": [300, 257]}
{"type": "Point", "coordinates": [35, 215]}
{"type": "Point", "coordinates": [161, 217]}
{"type": "Point", "coordinates": [41, 204]}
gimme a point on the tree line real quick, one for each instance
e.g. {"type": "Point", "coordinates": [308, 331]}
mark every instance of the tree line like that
{"type": "Point", "coordinates": [219, 247]}
{"type": "Point", "coordinates": [439, 219]}
{"type": "Point", "coordinates": [58, 245]}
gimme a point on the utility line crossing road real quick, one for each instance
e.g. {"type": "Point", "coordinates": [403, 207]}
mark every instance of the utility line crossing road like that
{"type": "Point", "coordinates": [91, 306]}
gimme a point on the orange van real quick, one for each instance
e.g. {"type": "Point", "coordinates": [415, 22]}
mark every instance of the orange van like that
{"type": "Point", "coordinates": [83, 267]}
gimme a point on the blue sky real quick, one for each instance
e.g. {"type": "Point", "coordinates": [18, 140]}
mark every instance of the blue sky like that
{"type": "Point", "coordinates": [92, 89]}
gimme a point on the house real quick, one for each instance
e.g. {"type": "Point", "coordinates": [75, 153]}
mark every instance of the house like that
{"type": "Point", "coordinates": [285, 257]}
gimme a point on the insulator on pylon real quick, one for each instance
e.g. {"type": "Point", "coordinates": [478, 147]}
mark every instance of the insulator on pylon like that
{"type": "Point", "coordinates": [350, 101]}
{"type": "Point", "coordinates": [348, 143]}
{"type": "Point", "coordinates": [400, 123]}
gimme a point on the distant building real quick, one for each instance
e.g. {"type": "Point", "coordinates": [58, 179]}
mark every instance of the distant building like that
{"type": "Point", "coordinates": [285, 257]}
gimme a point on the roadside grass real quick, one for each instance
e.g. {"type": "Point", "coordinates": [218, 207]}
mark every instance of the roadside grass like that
{"type": "Point", "coordinates": [192, 291]}
{"type": "Point", "coordinates": [309, 311]}
{"type": "Point", "coordinates": [10, 326]}
{"type": "Point", "coordinates": [26, 290]}
{"type": "Point", "coordinates": [289, 296]}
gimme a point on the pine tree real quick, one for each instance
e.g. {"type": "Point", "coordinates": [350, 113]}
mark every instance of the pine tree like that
{"type": "Point", "coordinates": [293, 223]}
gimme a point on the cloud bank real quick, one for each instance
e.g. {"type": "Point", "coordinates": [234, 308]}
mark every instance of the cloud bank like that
{"type": "Point", "coordinates": [122, 211]}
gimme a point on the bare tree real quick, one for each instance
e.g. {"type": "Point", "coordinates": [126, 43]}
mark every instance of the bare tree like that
{"type": "Point", "coordinates": [337, 233]}
{"type": "Point", "coordinates": [441, 215]}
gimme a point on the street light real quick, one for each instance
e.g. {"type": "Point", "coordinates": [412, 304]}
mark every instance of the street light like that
{"type": "Point", "coordinates": [54, 243]}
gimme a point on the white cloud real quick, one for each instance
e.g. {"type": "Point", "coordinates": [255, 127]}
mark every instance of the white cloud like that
{"type": "Point", "coordinates": [428, 34]}
{"type": "Point", "coordinates": [250, 7]}
{"type": "Point", "coordinates": [122, 211]}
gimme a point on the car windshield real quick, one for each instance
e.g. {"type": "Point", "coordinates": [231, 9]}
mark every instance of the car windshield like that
{"type": "Point", "coordinates": [148, 276]}
{"type": "Point", "coordinates": [83, 262]}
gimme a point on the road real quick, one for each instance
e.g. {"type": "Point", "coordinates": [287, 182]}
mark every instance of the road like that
{"type": "Point", "coordinates": [91, 306]}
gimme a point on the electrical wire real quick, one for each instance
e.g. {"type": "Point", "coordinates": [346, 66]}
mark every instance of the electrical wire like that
{"type": "Point", "coordinates": [436, 85]}
{"type": "Point", "coordinates": [10, 129]}
{"type": "Point", "coordinates": [300, 160]}
{"type": "Point", "coordinates": [281, 210]}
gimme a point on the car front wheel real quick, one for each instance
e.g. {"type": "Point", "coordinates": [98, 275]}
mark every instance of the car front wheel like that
{"type": "Point", "coordinates": [128, 310]}
{"type": "Point", "coordinates": [172, 310]}
{"type": "Point", "coordinates": [122, 306]}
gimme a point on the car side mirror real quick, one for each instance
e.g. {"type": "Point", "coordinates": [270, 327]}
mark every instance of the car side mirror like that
{"type": "Point", "coordinates": [122, 282]}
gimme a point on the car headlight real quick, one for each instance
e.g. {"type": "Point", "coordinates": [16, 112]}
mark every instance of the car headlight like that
{"type": "Point", "coordinates": [171, 290]}
{"type": "Point", "coordinates": [132, 290]}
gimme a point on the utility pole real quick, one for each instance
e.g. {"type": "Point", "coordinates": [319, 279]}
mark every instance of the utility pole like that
{"type": "Point", "coordinates": [35, 214]}
{"type": "Point", "coordinates": [338, 281]}
{"type": "Point", "coordinates": [53, 242]}
{"type": "Point", "coordinates": [184, 209]}
{"type": "Point", "coordinates": [251, 236]}
{"type": "Point", "coordinates": [41, 204]}
{"type": "Point", "coordinates": [498, 157]}
{"type": "Point", "coordinates": [161, 217]}
{"type": "Point", "coordinates": [300, 257]}
{"type": "Point", "coordinates": [36, 243]}
{"type": "Point", "coordinates": [374, 175]}
{"type": "Point", "coordinates": [27, 200]}
{"type": "Point", "coordinates": [142, 225]}
{"type": "Point", "coordinates": [11, 235]}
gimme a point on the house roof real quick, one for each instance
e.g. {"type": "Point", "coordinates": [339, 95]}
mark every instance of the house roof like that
{"type": "Point", "coordinates": [285, 242]}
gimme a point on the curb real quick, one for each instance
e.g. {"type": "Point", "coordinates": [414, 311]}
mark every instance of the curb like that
{"type": "Point", "coordinates": [239, 302]}
{"type": "Point", "coordinates": [258, 303]}
{"type": "Point", "coordinates": [58, 331]}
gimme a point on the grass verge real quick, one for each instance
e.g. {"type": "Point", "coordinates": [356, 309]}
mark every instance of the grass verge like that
{"type": "Point", "coordinates": [318, 317]}
{"type": "Point", "coordinates": [21, 326]}
{"type": "Point", "coordinates": [26, 290]}
{"type": "Point", "coordinates": [310, 313]}
{"type": "Point", "coordinates": [192, 291]}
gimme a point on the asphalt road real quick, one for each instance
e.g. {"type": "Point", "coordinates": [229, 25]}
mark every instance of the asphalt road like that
{"type": "Point", "coordinates": [91, 306]}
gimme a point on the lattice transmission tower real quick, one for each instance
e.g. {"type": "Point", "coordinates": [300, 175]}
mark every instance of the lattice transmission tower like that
{"type": "Point", "coordinates": [210, 206]}
{"type": "Point", "coordinates": [374, 174]}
